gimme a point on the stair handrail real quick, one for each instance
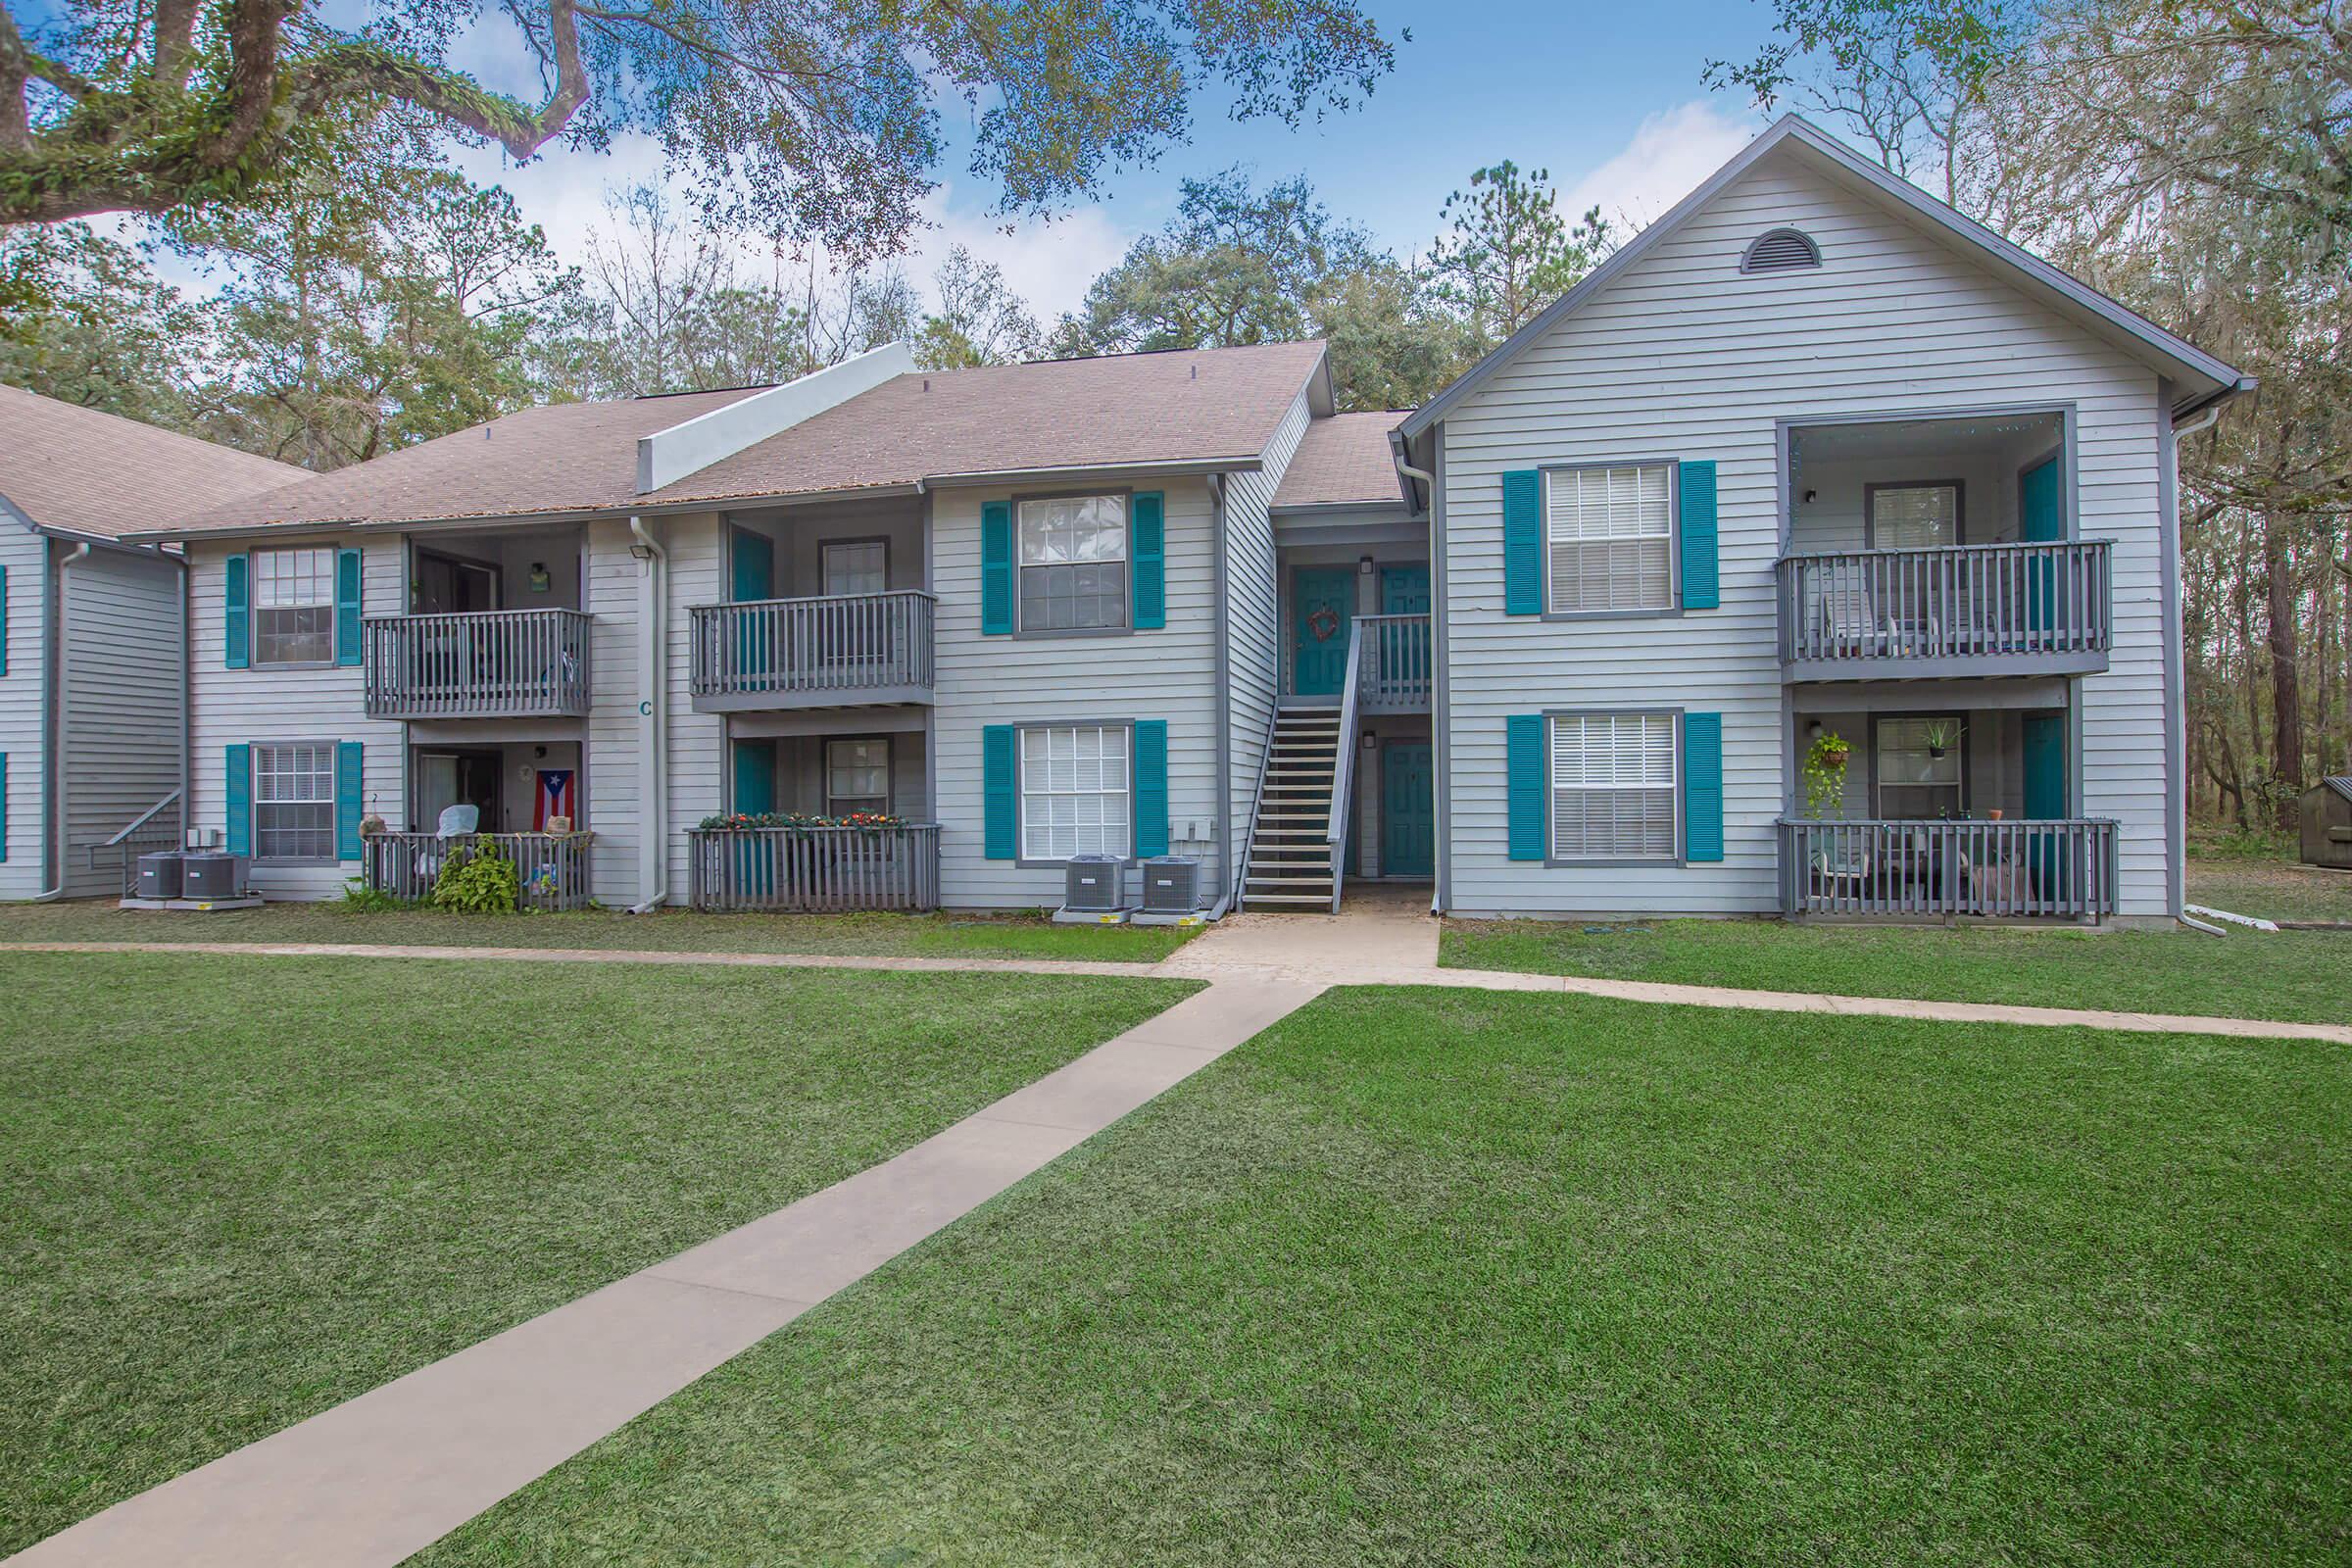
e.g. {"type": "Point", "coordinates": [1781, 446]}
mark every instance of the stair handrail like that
{"type": "Point", "coordinates": [139, 821]}
{"type": "Point", "coordinates": [1257, 799]}
{"type": "Point", "coordinates": [1343, 762]}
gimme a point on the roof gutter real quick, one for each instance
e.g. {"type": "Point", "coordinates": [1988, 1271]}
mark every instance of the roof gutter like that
{"type": "Point", "coordinates": [56, 833]}
{"type": "Point", "coordinates": [2209, 407]}
{"type": "Point", "coordinates": [652, 760]}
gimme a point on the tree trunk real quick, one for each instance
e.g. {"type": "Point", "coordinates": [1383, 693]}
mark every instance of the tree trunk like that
{"type": "Point", "coordinates": [2286, 676]}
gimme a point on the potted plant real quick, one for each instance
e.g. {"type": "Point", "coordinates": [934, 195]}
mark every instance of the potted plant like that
{"type": "Point", "coordinates": [1940, 735]}
{"type": "Point", "coordinates": [1825, 773]}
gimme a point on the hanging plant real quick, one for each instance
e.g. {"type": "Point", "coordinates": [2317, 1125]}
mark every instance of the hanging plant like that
{"type": "Point", "coordinates": [1825, 774]}
{"type": "Point", "coordinates": [1939, 736]}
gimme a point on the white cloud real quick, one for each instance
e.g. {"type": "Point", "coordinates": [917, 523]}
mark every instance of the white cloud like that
{"type": "Point", "coordinates": [1669, 155]}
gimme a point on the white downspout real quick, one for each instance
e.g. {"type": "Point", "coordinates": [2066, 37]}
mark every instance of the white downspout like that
{"type": "Point", "coordinates": [56, 763]}
{"type": "Point", "coordinates": [653, 771]}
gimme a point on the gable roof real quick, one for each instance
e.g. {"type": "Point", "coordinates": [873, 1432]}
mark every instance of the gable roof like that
{"type": "Point", "coordinates": [2341, 783]}
{"type": "Point", "coordinates": [1198, 409]}
{"type": "Point", "coordinates": [561, 458]}
{"type": "Point", "coordinates": [1342, 461]}
{"type": "Point", "coordinates": [2204, 379]}
{"type": "Point", "coordinates": [69, 469]}
{"type": "Point", "coordinates": [1195, 407]}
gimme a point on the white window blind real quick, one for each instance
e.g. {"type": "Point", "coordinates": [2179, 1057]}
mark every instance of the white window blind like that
{"type": "Point", "coordinates": [1610, 533]}
{"type": "Point", "coordinates": [293, 606]}
{"type": "Point", "coordinates": [1914, 516]}
{"type": "Point", "coordinates": [1074, 792]}
{"type": "Point", "coordinates": [1914, 783]}
{"type": "Point", "coordinates": [860, 567]}
{"type": "Point", "coordinates": [1613, 786]}
{"type": "Point", "coordinates": [857, 776]}
{"type": "Point", "coordinates": [1074, 564]}
{"type": "Point", "coordinates": [294, 802]}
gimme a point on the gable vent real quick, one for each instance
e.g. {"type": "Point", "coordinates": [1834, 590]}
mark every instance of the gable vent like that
{"type": "Point", "coordinates": [1779, 250]}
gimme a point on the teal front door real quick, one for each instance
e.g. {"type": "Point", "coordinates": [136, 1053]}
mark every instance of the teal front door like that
{"type": "Point", "coordinates": [1404, 590]}
{"type": "Point", "coordinates": [751, 575]}
{"type": "Point", "coordinates": [1322, 605]}
{"type": "Point", "coordinates": [1408, 817]}
{"type": "Point", "coordinates": [2047, 799]}
{"type": "Point", "coordinates": [2042, 520]}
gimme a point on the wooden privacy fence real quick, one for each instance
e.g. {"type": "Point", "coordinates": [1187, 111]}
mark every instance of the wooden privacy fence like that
{"type": "Point", "coordinates": [1398, 677]}
{"type": "Point", "coordinates": [552, 866]}
{"type": "Point", "coordinates": [1956, 602]}
{"type": "Point", "coordinates": [498, 664]}
{"type": "Point", "coordinates": [838, 641]}
{"type": "Point", "coordinates": [2029, 870]}
{"type": "Point", "coordinates": [816, 869]}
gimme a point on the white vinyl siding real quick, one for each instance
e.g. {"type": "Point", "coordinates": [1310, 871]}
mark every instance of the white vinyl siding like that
{"type": "Point", "coordinates": [1613, 787]}
{"type": "Point", "coordinates": [1073, 564]}
{"type": "Point", "coordinates": [294, 801]}
{"type": "Point", "coordinates": [119, 667]}
{"type": "Point", "coordinates": [293, 606]}
{"type": "Point", "coordinates": [1914, 516]}
{"type": "Point", "coordinates": [1609, 532]}
{"type": "Point", "coordinates": [1074, 792]}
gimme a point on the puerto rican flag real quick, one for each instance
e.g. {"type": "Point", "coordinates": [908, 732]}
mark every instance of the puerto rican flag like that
{"type": "Point", "coordinates": [553, 799]}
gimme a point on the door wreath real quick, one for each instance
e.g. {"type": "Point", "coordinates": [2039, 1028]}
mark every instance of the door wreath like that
{"type": "Point", "coordinates": [1324, 623]}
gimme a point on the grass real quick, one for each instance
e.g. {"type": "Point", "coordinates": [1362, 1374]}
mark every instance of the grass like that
{"type": "Point", "coordinates": [2275, 889]}
{"type": "Point", "coordinates": [1425, 1277]}
{"type": "Point", "coordinates": [2295, 975]}
{"type": "Point", "coordinates": [235, 1190]}
{"type": "Point", "coordinates": [984, 936]}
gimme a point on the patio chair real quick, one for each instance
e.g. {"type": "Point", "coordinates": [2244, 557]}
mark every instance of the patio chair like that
{"type": "Point", "coordinates": [457, 822]}
{"type": "Point", "coordinates": [1841, 874]}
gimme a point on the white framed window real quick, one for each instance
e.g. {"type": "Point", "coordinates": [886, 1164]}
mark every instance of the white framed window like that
{"type": "Point", "coordinates": [1615, 787]}
{"type": "Point", "coordinates": [858, 777]}
{"type": "Point", "coordinates": [1075, 796]}
{"type": "Point", "coordinates": [1921, 768]}
{"type": "Point", "coordinates": [294, 801]}
{"type": "Point", "coordinates": [294, 606]}
{"type": "Point", "coordinates": [1609, 536]}
{"type": "Point", "coordinates": [1073, 564]}
{"type": "Point", "coordinates": [1914, 516]}
{"type": "Point", "coordinates": [855, 566]}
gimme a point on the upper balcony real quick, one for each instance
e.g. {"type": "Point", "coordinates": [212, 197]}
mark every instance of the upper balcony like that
{"type": "Point", "coordinates": [491, 664]}
{"type": "Point", "coordinates": [1955, 610]}
{"type": "Point", "coordinates": [830, 651]}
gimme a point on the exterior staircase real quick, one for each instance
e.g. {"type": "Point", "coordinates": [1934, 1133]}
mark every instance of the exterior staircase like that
{"type": "Point", "coordinates": [1290, 865]}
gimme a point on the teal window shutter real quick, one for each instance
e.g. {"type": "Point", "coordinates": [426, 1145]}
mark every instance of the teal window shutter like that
{"type": "Point", "coordinates": [755, 776]}
{"type": "Point", "coordinates": [347, 607]}
{"type": "Point", "coordinates": [236, 611]}
{"type": "Point", "coordinates": [996, 570]}
{"type": "Point", "coordinates": [1002, 810]}
{"type": "Point", "coordinates": [236, 777]}
{"type": "Point", "coordinates": [1150, 786]}
{"type": "Point", "coordinates": [1150, 549]}
{"type": "Point", "coordinates": [1523, 542]}
{"type": "Point", "coordinates": [350, 785]}
{"type": "Point", "coordinates": [1700, 590]}
{"type": "Point", "coordinates": [1524, 771]}
{"type": "Point", "coordinates": [1702, 786]}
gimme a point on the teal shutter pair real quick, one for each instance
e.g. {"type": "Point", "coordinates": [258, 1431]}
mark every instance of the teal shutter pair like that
{"type": "Point", "coordinates": [1523, 539]}
{"type": "Point", "coordinates": [236, 619]}
{"type": "Point", "coordinates": [999, 789]}
{"type": "Point", "coordinates": [1146, 564]}
{"type": "Point", "coordinates": [351, 783]}
{"type": "Point", "coordinates": [1528, 784]}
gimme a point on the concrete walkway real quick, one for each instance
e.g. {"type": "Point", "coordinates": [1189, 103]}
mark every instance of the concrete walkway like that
{"type": "Point", "coordinates": [371, 1482]}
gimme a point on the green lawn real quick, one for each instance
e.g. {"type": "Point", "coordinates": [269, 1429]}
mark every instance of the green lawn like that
{"type": "Point", "coordinates": [235, 1190]}
{"type": "Point", "coordinates": [2297, 975]}
{"type": "Point", "coordinates": [1425, 1277]}
{"type": "Point", "coordinates": [944, 936]}
{"type": "Point", "coordinates": [2275, 889]}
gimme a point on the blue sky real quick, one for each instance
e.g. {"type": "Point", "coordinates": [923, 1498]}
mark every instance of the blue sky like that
{"type": "Point", "coordinates": [1607, 98]}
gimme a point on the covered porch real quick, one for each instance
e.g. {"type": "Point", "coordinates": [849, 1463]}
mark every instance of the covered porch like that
{"type": "Point", "coordinates": [1953, 801]}
{"type": "Point", "coordinates": [824, 813]}
{"type": "Point", "coordinates": [495, 628]}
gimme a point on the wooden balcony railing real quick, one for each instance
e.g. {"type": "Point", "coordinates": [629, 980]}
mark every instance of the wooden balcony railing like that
{"type": "Point", "coordinates": [1398, 674]}
{"type": "Point", "coordinates": [792, 652]}
{"type": "Point", "coordinates": [2030, 871]}
{"type": "Point", "coordinates": [552, 867]}
{"type": "Point", "coordinates": [816, 869]}
{"type": "Point", "coordinates": [1972, 608]}
{"type": "Point", "coordinates": [495, 664]}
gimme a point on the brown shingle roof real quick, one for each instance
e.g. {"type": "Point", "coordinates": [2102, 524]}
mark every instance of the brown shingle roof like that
{"type": "Point", "coordinates": [71, 467]}
{"type": "Point", "coordinates": [1342, 459]}
{"type": "Point", "coordinates": [561, 458]}
{"type": "Point", "coordinates": [1181, 406]}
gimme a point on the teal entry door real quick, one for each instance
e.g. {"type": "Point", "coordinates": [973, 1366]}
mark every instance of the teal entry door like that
{"type": "Point", "coordinates": [751, 575]}
{"type": "Point", "coordinates": [1322, 607]}
{"type": "Point", "coordinates": [1404, 590]}
{"type": "Point", "coordinates": [2042, 520]}
{"type": "Point", "coordinates": [1408, 817]}
{"type": "Point", "coordinates": [2047, 799]}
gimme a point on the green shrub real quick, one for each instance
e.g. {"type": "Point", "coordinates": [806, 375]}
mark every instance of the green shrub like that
{"type": "Point", "coordinates": [476, 879]}
{"type": "Point", "coordinates": [358, 897]}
